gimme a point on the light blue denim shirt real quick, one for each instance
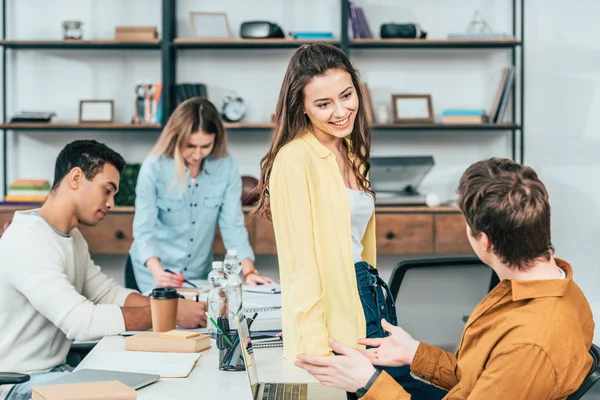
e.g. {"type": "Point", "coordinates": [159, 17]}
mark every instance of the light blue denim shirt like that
{"type": "Point", "coordinates": [178, 226]}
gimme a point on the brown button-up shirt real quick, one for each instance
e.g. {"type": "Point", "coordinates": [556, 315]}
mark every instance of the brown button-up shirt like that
{"type": "Point", "coordinates": [526, 340]}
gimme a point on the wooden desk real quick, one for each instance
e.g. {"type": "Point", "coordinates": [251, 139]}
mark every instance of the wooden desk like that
{"type": "Point", "coordinates": [400, 230]}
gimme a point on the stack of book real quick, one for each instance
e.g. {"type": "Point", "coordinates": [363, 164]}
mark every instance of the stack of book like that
{"type": "Point", "coordinates": [27, 191]}
{"type": "Point", "coordinates": [357, 22]}
{"type": "Point", "coordinates": [464, 116]}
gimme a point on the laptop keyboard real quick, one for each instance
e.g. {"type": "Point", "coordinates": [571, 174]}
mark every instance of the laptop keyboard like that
{"type": "Point", "coordinates": [284, 391]}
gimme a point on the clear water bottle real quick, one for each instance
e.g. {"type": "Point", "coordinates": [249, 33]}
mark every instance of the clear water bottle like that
{"type": "Point", "coordinates": [218, 299]}
{"type": "Point", "coordinates": [233, 267]}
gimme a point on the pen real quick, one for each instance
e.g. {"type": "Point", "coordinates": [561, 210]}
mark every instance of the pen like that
{"type": "Point", "coordinates": [229, 356]}
{"type": "Point", "coordinates": [185, 280]}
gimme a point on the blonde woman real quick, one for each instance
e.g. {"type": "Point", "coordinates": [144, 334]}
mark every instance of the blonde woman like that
{"type": "Point", "coordinates": [185, 187]}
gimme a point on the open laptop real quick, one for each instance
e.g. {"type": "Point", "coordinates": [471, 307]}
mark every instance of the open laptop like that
{"type": "Point", "coordinates": [131, 379]}
{"type": "Point", "coordinates": [278, 391]}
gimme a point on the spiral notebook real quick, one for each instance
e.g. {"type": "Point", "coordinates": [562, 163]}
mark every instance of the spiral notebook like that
{"type": "Point", "coordinates": [261, 309]}
{"type": "Point", "coordinates": [266, 338]}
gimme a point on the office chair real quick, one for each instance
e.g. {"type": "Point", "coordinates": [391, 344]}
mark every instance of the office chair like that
{"type": "Point", "coordinates": [439, 292]}
{"type": "Point", "coordinates": [592, 377]}
{"type": "Point", "coordinates": [12, 378]}
{"type": "Point", "coordinates": [130, 282]}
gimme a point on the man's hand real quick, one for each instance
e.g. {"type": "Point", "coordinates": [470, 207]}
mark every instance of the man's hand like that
{"type": "Point", "coordinates": [396, 350]}
{"type": "Point", "coordinates": [191, 314]}
{"type": "Point", "coordinates": [349, 371]}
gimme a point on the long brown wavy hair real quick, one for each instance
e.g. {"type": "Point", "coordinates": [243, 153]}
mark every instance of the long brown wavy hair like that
{"type": "Point", "coordinates": [189, 117]}
{"type": "Point", "coordinates": [307, 62]}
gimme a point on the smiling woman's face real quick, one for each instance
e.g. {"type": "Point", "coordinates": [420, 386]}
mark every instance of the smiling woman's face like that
{"type": "Point", "coordinates": [331, 103]}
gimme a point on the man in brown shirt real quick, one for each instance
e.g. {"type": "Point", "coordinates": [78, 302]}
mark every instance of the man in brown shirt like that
{"type": "Point", "coordinates": [528, 338]}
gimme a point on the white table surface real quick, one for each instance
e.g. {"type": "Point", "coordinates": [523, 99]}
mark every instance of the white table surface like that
{"type": "Point", "coordinates": [206, 381]}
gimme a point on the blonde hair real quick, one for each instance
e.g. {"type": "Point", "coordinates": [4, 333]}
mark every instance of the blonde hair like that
{"type": "Point", "coordinates": [189, 117]}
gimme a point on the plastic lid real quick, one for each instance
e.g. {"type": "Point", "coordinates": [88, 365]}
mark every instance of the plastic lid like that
{"type": "Point", "coordinates": [232, 252]}
{"type": "Point", "coordinates": [164, 293]}
{"type": "Point", "coordinates": [217, 264]}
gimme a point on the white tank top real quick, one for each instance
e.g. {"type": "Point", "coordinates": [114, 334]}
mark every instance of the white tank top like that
{"type": "Point", "coordinates": [361, 210]}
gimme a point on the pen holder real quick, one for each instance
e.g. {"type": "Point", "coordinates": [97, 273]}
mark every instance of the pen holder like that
{"type": "Point", "coordinates": [230, 351]}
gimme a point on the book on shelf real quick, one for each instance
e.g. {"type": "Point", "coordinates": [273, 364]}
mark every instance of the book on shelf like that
{"type": "Point", "coordinates": [357, 22]}
{"type": "Point", "coordinates": [28, 191]}
{"type": "Point", "coordinates": [498, 107]}
{"type": "Point", "coordinates": [464, 116]}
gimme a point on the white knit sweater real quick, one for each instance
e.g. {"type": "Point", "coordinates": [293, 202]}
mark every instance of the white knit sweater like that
{"type": "Point", "coordinates": [51, 293]}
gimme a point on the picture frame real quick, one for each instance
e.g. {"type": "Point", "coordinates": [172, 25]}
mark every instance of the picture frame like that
{"type": "Point", "coordinates": [412, 109]}
{"type": "Point", "coordinates": [96, 111]}
{"type": "Point", "coordinates": [213, 25]}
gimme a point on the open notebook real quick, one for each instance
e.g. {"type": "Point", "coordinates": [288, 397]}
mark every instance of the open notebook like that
{"type": "Point", "coordinates": [166, 365]}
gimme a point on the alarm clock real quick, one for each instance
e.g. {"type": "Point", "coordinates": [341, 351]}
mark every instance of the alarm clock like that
{"type": "Point", "coordinates": [233, 109]}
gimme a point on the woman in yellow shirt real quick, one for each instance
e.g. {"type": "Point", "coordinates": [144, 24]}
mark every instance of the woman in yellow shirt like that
{"type": "Point", "coordinates": [314, 186]}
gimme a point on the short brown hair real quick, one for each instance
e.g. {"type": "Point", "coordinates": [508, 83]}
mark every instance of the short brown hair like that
{"type": "Point", "coordinates": [508, 202]}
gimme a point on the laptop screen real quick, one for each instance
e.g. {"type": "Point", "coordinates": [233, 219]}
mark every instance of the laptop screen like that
{"type": "Point", "coordinates": [247, 351]}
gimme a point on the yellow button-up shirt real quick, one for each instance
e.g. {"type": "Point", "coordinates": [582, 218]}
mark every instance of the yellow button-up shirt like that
{"type": "Point", "coordinates": [311, 219]}
{"type": "Point", "coordinates": [526, 340]}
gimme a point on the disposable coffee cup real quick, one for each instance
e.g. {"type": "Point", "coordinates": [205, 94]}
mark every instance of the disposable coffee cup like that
{"type": "Point", "coordinates": [163, 305]}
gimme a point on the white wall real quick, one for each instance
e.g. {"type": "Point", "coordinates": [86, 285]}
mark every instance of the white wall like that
{"type": "Point", "coordinates": [562, 139]}
{"type": "Point", "coordinates": [562, 58]}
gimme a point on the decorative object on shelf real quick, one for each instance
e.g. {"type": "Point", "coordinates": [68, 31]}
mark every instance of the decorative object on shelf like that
{"type": "Point", "coordinates": [147, 103]}
{"type": "Point", "coordinates": [479, 29]}
{"type": "Point", "coordinates": [210, 24]}
{"type": "Point", "coordinates": [136, 33]}
{"type": "Point", "coordinates": [249, 190]}
{"type": "Point", "coordinates": [358, 28]}
{"type": "Point", "coordinates": [126, 194]}
{"type": "Point", "coordinates": [41, 117]}
{"type": "Point", "coordinates": [72, 30]}
{"type": "Point", "coordinates": [184, 91]}
{"type": "Point", "coordinates": [309, 35]}
{"type": "Point", "coordinates": [233, 109]}
{"type": "Point", "coordinates": [368, 105]}
{"type": "Point", "coordinates": [96, 111]}
{"type": "Point", "coordinates": [28, 191]}
{"type": "Point", "coordinates": [383, 114]}
{"type": "Point", "coordinates": [464, 116]}
{"type": "Point", "coordinates": [412, 108]}
{"type": "Point", "coordinates": [260, 30]}
{"type": "Point", "coordinates": [402, 31]}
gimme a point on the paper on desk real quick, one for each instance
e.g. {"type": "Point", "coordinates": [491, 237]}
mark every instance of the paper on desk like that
{"type": "Point", "coordinates": [270, 288]}
{"type": "Point", "coordinates": [167, 365]}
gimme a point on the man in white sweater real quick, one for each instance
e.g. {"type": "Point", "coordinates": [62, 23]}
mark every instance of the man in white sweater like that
{"type": "Point", "coordinates": [51, 292]}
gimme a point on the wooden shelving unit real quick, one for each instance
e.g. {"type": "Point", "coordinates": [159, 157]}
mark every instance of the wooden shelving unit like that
{"type": "Point", "coordinates": [398, 127]}
{"type": "Point", "coordinates": [184, 43]}
{"type": "Point", "coordinates": [432, 44]}
{"type": "Point", "coordinates": [79, 44]}
{"type": "Point", "coordinates": [77, 127]}
{"type": "Point", "coordinates": [170, 45]}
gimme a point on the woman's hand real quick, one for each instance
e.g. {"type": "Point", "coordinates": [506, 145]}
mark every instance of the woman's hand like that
{"type": "Point", "coordinates": [166, 279]}
{"type": "Point", "coordinates": [163, 278]}
{"type": "Point", "coordinates": [252, 277]}
{"type": "Point", "coordinates": [255, 279]}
